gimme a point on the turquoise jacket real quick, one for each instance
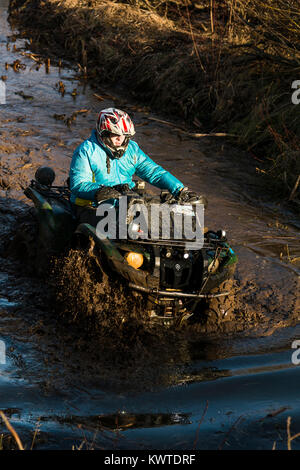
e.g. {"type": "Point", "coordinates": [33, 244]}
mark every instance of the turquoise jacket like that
{"type": "Point", "coordinates": [88, 170]}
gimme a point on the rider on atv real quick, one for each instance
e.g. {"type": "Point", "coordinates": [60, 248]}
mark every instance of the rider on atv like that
{"type": "Point", "coordinates": [103, 166]}
{"type": "Point", "coordinates": [171, 271]}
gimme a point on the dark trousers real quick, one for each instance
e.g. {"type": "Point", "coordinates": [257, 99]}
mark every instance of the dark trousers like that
{"type": "Point", "coordinates": [86, 215]}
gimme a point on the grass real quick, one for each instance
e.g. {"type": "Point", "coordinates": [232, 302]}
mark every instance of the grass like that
{"type": "Point", "coordinates": [290, 437]}
{"type": "Point", "coordinates": [220, 66]}
{"type": "Point", "coordinates": [12, 431]}
{"type": "Point", "coordinates": [90, 446]}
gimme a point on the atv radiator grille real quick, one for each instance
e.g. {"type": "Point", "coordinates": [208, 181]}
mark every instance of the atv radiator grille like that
{"type": "Point", "coordinates": [181, 273]}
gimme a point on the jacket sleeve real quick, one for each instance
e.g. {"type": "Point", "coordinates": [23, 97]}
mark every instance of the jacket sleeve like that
{"type": "Point", "coordinates": [82, 181]}
{"type": "Point", "coordinates": [154, 174]}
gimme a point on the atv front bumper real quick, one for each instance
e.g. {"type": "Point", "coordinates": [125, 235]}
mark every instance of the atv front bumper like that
{"type": "Point", "coordinates": [175, 294]}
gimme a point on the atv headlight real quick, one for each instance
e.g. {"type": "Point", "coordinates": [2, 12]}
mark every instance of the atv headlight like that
{"type": "Point", "coordinates": [213, 266]}
{"type": "Point", "coordinates": [134, 259]}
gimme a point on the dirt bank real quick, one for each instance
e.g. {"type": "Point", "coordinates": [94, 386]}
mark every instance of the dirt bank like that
{"type": "Point", "coordinates": [213, 72]}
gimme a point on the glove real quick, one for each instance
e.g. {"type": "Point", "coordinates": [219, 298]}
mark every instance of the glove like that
{"type": "Point", "coordinates": [106, 192]}
{"type": "Point", "coordinates": [122, 188]}
{"type": "Point", "coordinates": [185, 195]}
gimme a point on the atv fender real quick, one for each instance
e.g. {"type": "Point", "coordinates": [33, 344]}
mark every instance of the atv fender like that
{"type": "Point", "coordinates": [115, 259]}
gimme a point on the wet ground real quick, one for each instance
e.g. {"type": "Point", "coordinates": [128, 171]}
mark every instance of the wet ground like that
{"type": "Point", "coordinates": [197, 390]}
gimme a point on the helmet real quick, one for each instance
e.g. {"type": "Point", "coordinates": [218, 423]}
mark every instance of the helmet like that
{"type": "Point", "coordinates": [114, 121]}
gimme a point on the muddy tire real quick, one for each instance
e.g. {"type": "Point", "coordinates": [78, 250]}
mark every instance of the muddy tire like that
{"type": "Point", "coordinates": [24, 247]}
{"type": "Point", "coordinates": [221, 309]}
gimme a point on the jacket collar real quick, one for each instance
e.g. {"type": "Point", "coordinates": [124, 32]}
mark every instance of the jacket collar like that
{"type": "Point", "coordinates": [95, 139]}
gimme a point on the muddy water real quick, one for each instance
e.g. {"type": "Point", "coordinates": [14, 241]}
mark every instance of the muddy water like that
{"type": "Point", "coordinates": [229, 390]}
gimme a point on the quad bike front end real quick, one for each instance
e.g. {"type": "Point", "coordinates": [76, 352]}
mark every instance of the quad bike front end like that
{"type": "Point", "coordinates": [174, 278]}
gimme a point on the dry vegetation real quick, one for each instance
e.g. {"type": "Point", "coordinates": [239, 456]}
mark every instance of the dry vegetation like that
{"type": "Point", "coordinates": [221, 65]}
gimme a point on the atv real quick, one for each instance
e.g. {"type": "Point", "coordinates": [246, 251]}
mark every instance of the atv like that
{"type": "Point", "coordinates": [175, 277]}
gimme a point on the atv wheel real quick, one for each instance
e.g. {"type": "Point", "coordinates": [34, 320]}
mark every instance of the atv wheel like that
{"type": "Point", "coordinates": [23, 244]}
{"type": "Point", "coordinates": [25, 248]}
{"type": "Point", "coordinates": [221, 309]}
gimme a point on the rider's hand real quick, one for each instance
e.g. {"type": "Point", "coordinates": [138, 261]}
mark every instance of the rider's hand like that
{"type": "Point", "coordinates": [106, 192]}
{"type": "Point", "coordinates": [122, 188]}
{"type": "Point", "coordinates": [185, 195]}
